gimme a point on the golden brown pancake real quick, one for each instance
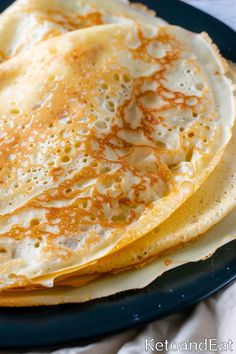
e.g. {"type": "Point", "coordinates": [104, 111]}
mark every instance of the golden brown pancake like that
{"type": "Point", "coordinates": [106, 131]}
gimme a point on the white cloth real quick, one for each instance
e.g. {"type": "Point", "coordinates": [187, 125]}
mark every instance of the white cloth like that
{"type": "Point", "coordinates": [225, 10]}
{"type": "Point", "coordinates": [214, 318]}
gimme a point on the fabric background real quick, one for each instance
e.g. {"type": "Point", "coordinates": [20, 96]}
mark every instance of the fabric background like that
{"type": "Point", "coordinates": [224, 10]}
{"type": "Point", "coordinates": [212, 318]}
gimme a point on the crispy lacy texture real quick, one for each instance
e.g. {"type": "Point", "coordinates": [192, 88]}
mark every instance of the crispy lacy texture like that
{"type": "Point", "coordinates": [104, 133]}
{"type": "Point", "coordinates": [209, 205]}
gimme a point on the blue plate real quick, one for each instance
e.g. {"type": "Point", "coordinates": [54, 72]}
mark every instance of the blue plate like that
{"type": "Point", "coordinates": [177, 289]}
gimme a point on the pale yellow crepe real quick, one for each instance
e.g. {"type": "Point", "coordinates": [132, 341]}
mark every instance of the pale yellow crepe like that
{"type": "Point", "coordinates": [29, 22]}
{"type": "Point", "coordinates": [209, 205]}
{"type": "Point", "coordinates": [107, 285]}
{"type": "Point", "coordinates": [105, 133]}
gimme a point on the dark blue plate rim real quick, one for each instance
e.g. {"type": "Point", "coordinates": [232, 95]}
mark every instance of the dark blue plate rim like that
{"type": "Point", "coordinates": [79, 324]}
{"type": "Point", "coordinates": [175, 290]}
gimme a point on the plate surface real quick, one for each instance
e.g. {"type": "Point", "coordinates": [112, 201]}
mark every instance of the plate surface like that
{"type": "Point", "coordinates": [175, 290]}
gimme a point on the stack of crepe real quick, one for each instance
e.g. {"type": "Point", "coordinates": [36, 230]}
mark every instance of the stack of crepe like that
{"type": "Point", "coordinates": [117, 149]}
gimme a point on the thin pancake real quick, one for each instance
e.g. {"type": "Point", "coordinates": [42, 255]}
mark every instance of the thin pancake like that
{"type": "Point", "coordinates": [133, 279]}
{"type": "Point", "coordinates": [209, 205]}
{"type": "Point", "coordinates": [111, 129]}
{"type": "Point", "coordinates": [29, 22]}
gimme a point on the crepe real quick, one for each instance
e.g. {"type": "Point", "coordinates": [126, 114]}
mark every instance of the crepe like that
{"type": "Point", "coordinates": [110, 284]}
{"type": "Point", "coordinates": [111, 129]}
{"type": "Point", "coordinates": [209, 205]}
{"type": "Point", "coordinates": [29, 22]}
